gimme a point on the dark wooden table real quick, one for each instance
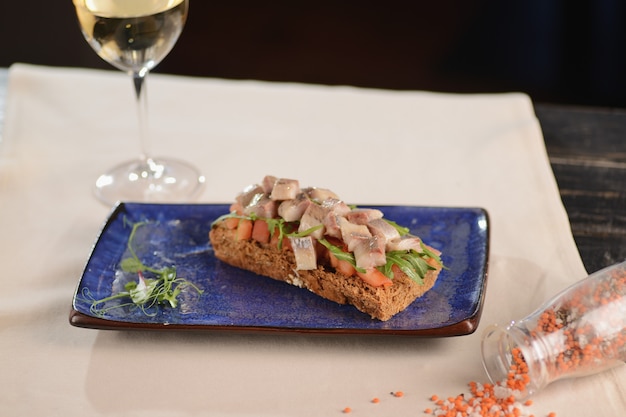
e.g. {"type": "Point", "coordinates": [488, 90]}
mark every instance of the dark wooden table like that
{"type": "Point", "coordinates": [587, 151]}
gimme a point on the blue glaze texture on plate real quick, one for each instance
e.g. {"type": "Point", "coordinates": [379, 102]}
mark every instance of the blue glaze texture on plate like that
{"type": "Point", "coordinates": [235, 299]}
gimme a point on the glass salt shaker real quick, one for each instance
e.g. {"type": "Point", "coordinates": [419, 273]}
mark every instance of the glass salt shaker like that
{"type": "Point", "coordinates": [580, 331]}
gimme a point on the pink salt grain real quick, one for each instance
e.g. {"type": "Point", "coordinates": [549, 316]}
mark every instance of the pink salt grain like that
{"type": "Point", "coordinates": [487, 400]}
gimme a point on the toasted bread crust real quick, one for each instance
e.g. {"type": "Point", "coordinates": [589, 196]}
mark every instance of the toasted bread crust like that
{"type": "Point", "coordinates": [268, 260]}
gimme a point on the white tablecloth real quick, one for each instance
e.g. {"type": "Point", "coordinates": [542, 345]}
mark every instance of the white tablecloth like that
{"type": "Point", "coordinates": [63, 127]}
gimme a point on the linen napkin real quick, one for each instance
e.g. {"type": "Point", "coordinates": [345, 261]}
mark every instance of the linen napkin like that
{"type": "Point", "coordinates": [65, 126]}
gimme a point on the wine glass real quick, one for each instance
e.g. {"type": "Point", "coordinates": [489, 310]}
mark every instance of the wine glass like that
{"type": "Point", "coordinates": [134, 36]}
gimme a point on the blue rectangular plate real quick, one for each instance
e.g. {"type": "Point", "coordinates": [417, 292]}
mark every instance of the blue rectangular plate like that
{"type": "Point", "coordinates": [237, 300]}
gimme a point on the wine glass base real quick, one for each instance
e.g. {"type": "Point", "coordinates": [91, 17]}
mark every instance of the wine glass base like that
{"type": "Point", "coordinates": [160, 180]}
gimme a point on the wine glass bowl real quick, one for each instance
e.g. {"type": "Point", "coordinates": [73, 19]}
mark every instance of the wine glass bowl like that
{"type": "Point", "coordinates": [134, 36]}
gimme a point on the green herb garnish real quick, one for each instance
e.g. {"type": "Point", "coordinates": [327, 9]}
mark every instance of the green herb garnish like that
{"type": "Point", "coordinates": [162, 287]}
{"type": "Point", "coordinates": [413, 263]}
{"type": "Point", "coordinates": [284, 228]}
{"type": "Point", "coordinates": [341, 254]}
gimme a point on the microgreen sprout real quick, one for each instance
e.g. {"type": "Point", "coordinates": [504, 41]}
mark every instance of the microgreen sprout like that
{"type": "Point", "coordinates": [162, 287]}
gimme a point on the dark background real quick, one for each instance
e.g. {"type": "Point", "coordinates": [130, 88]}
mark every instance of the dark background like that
{"type": "Point", "coordinates": [557, 51]}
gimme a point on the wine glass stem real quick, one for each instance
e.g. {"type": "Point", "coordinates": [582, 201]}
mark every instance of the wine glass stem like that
{"type": "Point", "coordinates": [139, 82]}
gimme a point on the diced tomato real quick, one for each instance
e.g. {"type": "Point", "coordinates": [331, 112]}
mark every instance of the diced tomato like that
{"type": "Point", "coordinates": [286, 244]}
{"type": "Point", "coordinates": [433, 262]}
{"type": "Point", "coordinates": [244, 229]}
{"type": "Point", "coordinates": [345, 268]}
{"type": "Point", "coordinates": [341, 266]}
{"type": "Point", "coordinates": [231, 222]}
{"type": "Point", "coordinates": [274, 237]}
{"type": "Point", "coordinates": [332, 259]}
{"type": "Point", "coordinates": [261, 231]}
{"type": "Point", "coordinates": [375, 278]}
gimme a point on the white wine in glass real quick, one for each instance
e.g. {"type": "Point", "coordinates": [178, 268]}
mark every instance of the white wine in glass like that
{"type": "Point", "coordinates": [134, 36]}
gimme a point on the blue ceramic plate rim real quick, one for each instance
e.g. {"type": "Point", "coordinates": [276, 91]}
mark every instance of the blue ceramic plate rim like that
{"type": "Point", "coordinates": [237, 300]}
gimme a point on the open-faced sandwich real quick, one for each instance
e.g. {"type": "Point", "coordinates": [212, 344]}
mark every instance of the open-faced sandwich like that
{"type": "Point", "coordinates": [310, 238]}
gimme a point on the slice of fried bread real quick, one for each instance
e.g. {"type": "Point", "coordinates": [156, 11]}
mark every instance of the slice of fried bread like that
{"type": "Point", "coordinates": [277, 254]}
